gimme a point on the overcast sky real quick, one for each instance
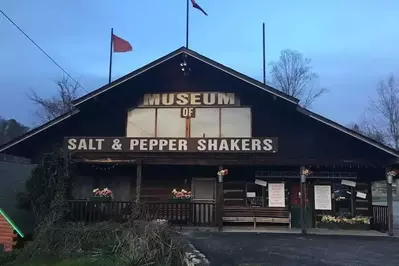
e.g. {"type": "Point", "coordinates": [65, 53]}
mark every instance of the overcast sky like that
{"type": "Point", "coordinates": [352, 44]}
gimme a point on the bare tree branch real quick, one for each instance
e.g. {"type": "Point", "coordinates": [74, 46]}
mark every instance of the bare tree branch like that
{"type": "Point", "coordinates": [50, 108]}
{"type": "Point", "coordinates": [385, 111]}
{"type": "Point", "coordinates": [292, 74]}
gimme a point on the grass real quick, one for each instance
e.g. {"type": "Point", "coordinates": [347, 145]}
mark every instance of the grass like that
{"type": "Point", "coordinates": [65, 262]}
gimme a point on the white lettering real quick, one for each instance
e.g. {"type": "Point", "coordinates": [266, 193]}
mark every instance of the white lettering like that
{"type": "Point", "coordinates": [152, 99]}
{"type": "Point", "coordinates": [267, 144]}
{"type": "Point", "coordinates": [182, 99]}
{"type": "Point", "coordinates": [91, 145]}
{"type": "Point", "coordinates": [201, 145]}
{"type": "Point", "coordinates": [143, 144]}
{"type": "Point", "coordinates": [245, 145]}
{"type": "Point", "coordinates": [213, 145]}
{"type": "Point", "coordinates": [71, 144]}
{"type": "Point", "coordinates": [153, 143]}
{"type": "Point", "coordinates": [162, 144]}
{"type": "Point", "coordinates": [234, 145]}
{"type": "Point", "coordinates": [189, 98]}
{"type": "Point", "coordinates": [82, 145]}
{"type": "Point", "coordinates": [256, 145]}
{"type": "Point", "coordinates": [172, 145]}
{"type": "Point", "coordinates": [133, 144]}
{"type": "Point", "coordinates": [195, 98]}
{"type": "Point", "coordinates": [224, 146]}
{"type": "Point", "coordinates": [182, 145]}
{"type": "Point", "coordinates": [226, 98]}
{"type": "Point", "coordinates": [168, 99]}
{"type": "Point", "coordinates": [209, 98]}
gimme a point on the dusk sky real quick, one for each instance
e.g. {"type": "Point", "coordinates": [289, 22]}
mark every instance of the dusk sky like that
{"type": "Point", "coordinates": [353, 44]}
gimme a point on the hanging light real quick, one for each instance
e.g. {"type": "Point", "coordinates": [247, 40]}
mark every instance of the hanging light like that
{"type": "Point", "coordinates": [184, 66]}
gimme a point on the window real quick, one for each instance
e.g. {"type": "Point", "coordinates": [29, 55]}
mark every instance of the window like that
{"type": "Point", "coordinates": [208, 123]}
{"type": "Point", "coordinates": [236, 122]}
{"type": "Point", "coordinates": [205, 123]}
{"type": "Point", "coordinates": [170, 124]}
{"type": "Point", "coordinates": [342, 199]}
{"type": "Point", "coordinates": [141, 123]}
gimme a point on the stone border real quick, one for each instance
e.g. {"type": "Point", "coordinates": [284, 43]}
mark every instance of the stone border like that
{"type": "Point", "coordinates": [193, 257]}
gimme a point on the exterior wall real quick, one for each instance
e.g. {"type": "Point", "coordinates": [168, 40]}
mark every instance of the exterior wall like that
{"type": "Point", "coordinates": [6, 234]}
{"type": "Point", "coordinates": [120, 179]}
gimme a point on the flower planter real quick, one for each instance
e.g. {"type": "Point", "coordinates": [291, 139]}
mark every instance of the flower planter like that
{"type": "Point", "coordinates": [101, 198]}
{"type": "Point", "coordinates": [343, 226]}
{"type": "Point", "coordinates": [180, 200]}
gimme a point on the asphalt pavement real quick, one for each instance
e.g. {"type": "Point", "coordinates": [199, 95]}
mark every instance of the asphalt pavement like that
{"type": "Point", "coordinates": [259, 249]}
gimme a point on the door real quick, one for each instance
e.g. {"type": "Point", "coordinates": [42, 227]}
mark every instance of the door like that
{"type": "Point", "coordinates": [295, 193]}
{"type": "Point", "coordinates": [204, 194]}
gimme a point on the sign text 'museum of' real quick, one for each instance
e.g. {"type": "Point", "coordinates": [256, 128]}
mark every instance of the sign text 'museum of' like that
{"type": "Point", "coordinates": [235, 145]}
{"type": "Point", "coordinates": [190, 99]}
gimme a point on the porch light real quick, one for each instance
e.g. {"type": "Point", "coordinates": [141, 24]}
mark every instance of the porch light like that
{"type": "Point", "coordinates": [389, 179]}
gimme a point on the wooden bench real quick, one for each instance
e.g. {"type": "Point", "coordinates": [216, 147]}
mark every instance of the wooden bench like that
{"type": "Point", "coordinates": [257, 215]}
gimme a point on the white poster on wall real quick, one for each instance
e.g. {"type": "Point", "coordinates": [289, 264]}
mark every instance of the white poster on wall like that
{"type": "Point", "coordinates": [276, 194]}
{"type": "Point", "coordinates": [322, 197]}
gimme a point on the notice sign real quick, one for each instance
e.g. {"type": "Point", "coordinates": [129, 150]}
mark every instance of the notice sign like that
{"type": "Point", "coordinates": [276, 194]}
{"type": "Point", "coordinates": [322, 197]}
{"type": "Point", "coordinates": [226, 145]}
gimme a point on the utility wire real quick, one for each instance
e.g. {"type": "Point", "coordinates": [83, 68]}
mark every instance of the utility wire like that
{"type": "Point", "coordinates": [44, 52]}
{"type": "Point", "coordinates": [55, 62]}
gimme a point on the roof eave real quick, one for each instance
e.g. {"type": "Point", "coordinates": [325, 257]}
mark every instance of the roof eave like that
{"type": "Point", "coordinates": [348, 131]}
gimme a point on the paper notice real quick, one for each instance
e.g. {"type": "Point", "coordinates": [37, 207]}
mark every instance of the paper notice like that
{"type": "Point", "coordinates": [260, 182]}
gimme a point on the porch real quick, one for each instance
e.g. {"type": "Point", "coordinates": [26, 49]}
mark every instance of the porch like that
{"type": "Point", "coordinates": [250, 195]}
{"type": "Point", "coordinates": [187, 213]}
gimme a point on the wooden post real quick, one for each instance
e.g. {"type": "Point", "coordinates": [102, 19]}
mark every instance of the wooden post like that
{"type": "Point", "coordinates": [138, 180]}
{"type": "Point", "coordinates": [390, 203]}
{"type": "Point", "coordinates": [303, 200]}
{"type": "Point", "coordinates": [353, 201]}
{"type": "Point", "coordinates": [220, 201]}
{"type": "Point", "coordinates": [397, 187]}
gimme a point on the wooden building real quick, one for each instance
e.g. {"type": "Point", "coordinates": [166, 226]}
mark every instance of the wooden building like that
{"type": "Point", "coordinates": [9, 232]}
{"type": "Point", "coordinates": [174, 123]}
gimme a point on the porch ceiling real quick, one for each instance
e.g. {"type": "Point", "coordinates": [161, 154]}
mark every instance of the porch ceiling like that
{"type": "Point", "coordinates": [219, 159]}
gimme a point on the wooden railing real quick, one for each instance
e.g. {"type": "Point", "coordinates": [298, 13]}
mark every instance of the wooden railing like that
{"type": "Point", "coordinates": [182, 213]}
{"type": "Point", "coordinates": [380, 218]}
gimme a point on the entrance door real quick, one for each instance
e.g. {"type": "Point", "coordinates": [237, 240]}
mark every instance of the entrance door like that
{"type": "Point", "coordinates": [295, 194]}
{"type": "Point", "coordinates": [204, 193]}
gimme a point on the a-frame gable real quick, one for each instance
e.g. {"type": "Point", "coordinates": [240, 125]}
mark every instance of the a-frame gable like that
{"type": "Point", "coordinates": [197, 56]}
{"type": "Point", "coordinates": [184, 51]}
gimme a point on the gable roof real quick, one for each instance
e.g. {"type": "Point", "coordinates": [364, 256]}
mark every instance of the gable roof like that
{"type": "Point", "coordinates": [216, 65]}
{"type": "Point", "coordinates": [10, 222]}
{"type": "Point", "coordinates": [195, 55]}
{"type": "Point", "coordinates": [37, 130]}
{"type": "Point", "coordinates": [348, 131]}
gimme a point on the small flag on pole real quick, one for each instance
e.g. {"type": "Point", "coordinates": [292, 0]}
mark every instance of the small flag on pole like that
{"type": "Point", "coordinates": [118, 45]}
{"type": "Point", "coordinates": [195, 5]}
{"type": "Point", "coordinates": [121, 45]}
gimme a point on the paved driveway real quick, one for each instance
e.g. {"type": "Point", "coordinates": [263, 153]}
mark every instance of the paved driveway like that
{"type": "Point", "coordinates": [277, 249]}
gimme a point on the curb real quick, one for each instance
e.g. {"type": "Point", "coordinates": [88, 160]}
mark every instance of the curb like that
{"type": "Point", "coordinates": [194, 257]}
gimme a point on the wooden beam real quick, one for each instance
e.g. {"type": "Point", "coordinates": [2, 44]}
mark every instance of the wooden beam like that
{"type": "Point", "coordinates": [138, 180]}
{"type": "Point", "coordinates": [390, 203]}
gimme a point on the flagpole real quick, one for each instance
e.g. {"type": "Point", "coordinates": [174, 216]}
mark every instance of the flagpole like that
{"type": "Point", "coordinates": [187, 16]}
{"type": "Point", "coordinates": [264, 54]}
{"type": "Point", "coordinates": [110, 56]}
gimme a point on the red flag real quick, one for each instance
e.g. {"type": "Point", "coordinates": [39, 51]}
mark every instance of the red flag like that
{"type": "Point", "coordinates": [121, 45]}
{"type": "Point", "coordinates": [195, 5]}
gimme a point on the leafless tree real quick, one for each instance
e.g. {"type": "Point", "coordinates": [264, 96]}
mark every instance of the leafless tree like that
{"type": "Point", "coordinates": [368, 130]}
{"type": "Point", "coordinates": [293, 75]}
{"type": "Point", "coordinates": [384, 111]}
{"type": "Point", "coordinates": [57, 105]}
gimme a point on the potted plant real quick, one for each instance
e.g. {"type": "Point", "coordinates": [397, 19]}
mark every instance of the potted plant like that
{"type": "Point", "coordinates": [341, 222]}
{"type": "Point", "coordinates": [181, 196]}
{"type": "Point", "coordinates": [102, 195]}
